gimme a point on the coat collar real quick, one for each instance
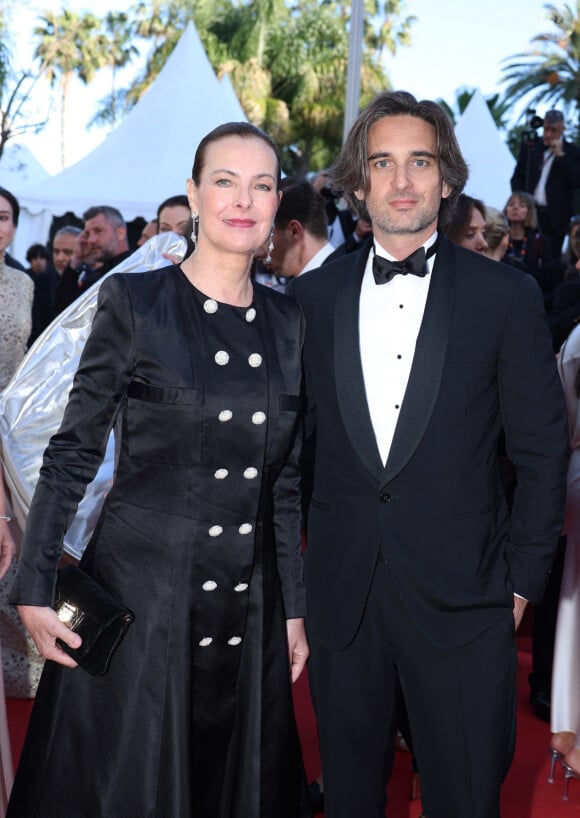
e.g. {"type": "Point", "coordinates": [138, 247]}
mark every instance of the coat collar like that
{"type": "Point", "coordinates": [426, 371]}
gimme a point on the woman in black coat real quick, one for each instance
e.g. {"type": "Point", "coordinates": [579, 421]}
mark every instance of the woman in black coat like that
{"type": "Point", "coordinates": [198, 370]}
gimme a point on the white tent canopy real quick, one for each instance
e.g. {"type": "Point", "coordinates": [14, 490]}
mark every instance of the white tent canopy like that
{"type": "Point", "coordinates": [148, 156]}
{"type": "Point", "coordinates": [490, 162]}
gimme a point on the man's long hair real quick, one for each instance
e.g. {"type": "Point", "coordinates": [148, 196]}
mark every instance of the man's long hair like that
{"type": "Point", "coordinates": [351, 170]}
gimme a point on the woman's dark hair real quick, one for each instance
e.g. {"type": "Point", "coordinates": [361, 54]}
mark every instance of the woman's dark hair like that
{"type": "Point", "coordinates": [173, 201]}
{"type": "Point", "coordinates": [36, 251]}
{"type": "Point", "coordinates": [11, 198]}
{"type": "Point", "coordinates": [243, 129]}
{"type": "Point", "coordinates": [351, 170]}
{"type": "Point", "coordinates": [456, 228]}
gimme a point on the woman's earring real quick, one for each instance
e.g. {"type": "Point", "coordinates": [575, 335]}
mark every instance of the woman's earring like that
{"type": "Point", "coordinates": [268, 258]}
{"type": "Point", "coordinates": [195, 230]}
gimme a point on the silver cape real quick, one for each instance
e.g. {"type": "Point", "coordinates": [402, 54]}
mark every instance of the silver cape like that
{"type": "Point", "coordinates": [33, 403]}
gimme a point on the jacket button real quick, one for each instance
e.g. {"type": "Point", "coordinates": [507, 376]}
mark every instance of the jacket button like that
{"type": "Point", "coordinates": [384, 497]}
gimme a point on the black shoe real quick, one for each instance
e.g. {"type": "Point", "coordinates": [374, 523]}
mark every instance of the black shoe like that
{"type": "Point", "coordinates": [316, 797]}
{"type": "Point", "coordinates": [540, 701]}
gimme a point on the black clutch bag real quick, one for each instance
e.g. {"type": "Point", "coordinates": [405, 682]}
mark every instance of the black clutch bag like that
{"type": "Point", "coordinates": [88, 609]}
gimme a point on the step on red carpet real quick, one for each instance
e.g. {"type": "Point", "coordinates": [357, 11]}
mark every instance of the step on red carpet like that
{"type": "Point", "coordinates": [526, 792]}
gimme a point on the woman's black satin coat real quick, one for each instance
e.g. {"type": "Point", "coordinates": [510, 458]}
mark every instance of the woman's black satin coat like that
{"type": "Point", "coordinates": [170, 732]}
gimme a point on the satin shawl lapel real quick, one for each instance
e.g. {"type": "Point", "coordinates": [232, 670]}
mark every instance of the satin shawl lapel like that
{"type": "Point", "coordinates": [428, 361]}
{"type": "Point", "coordinates": [350, 386]}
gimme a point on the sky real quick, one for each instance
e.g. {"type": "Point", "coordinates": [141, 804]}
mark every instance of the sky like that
{"type": "Point", "coordinates": [455, 44]}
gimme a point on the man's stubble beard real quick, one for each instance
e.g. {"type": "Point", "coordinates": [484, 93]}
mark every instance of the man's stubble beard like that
{"type": "Point", "coordinates": [389, 226]}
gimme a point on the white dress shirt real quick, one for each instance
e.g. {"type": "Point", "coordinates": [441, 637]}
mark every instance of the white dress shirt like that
{"type": "Point", "coordinates": [318, 258]}
{"type": "Point", "coordinates": [390, 317]}
{"type": "Point", "coordinates": [540, 191]}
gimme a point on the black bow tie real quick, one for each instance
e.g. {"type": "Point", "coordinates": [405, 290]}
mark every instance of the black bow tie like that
{"type": "Point", "coordinates": [415, 264]}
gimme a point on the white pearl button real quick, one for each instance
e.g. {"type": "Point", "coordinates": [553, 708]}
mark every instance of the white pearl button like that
{"type": "Point", "coordinates": [250, 473]}
{"type": "Point", "coordinates": [210, 585]}
{"type": "Point", "coordinates": [215, 531]}
{"type": "Point", "coordinates": [250, 315]}
{"type": "Point", "coordinates": [207, 640]}
{"type": "Point", "coordinates": [235, 640]}
{"type": "Point", "coordinates": [241, 586]}
{"type": "Point", "coordinates": [225, 415]}
{"type": "Point", "coordinates": [210, 306]}
{"type": "Point", "coordinates": [245, 528]}
{"type": "Point", "coordinates": [221, 474]}
{"type": "Point", "coordinates": [258, 418]}
{"type": "Point", "coordinates": [255, 360]}
{"type": "Point", "coordinates": [222, 358]}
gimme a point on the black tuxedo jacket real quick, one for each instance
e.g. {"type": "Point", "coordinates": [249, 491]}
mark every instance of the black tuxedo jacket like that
{"type": "Point", "coordinates": [563, 179]}
{"type": "Point", "coordinates": [483, 361]}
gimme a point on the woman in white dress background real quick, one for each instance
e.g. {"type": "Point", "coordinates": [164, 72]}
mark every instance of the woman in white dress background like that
{"type": "Point", "coordinates": [565, 708]}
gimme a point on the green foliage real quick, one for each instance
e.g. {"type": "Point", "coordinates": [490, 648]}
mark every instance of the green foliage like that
{"type": "Point", "coordinates": [498, 108]}
{"type": "Point", "coordinates": [70, 43]}
{"type": "Point", "coordinates": [15, 89]}
{"type": "Point", "coordinates": [287, 59]}
{"type": "Point", "coordinates": [549, 72]}
{"type": "Point", "coordinates": [287, 62]}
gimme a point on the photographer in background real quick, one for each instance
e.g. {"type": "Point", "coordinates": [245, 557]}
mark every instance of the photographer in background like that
{"type": "Point", "coordinates": [549, 169]}
{"type": "Point", "coordinates": [341, 222]}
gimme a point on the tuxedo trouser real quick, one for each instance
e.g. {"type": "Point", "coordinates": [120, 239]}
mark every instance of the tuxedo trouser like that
{"type": "Point", "coordinates": [460, 702]}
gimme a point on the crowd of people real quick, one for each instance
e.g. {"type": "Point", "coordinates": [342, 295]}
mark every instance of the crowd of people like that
{"type": "Point", "coordinates": [371, 361]}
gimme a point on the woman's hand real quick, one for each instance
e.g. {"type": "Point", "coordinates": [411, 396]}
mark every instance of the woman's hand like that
{"type": "Point", "coordinates": [298, 650]}
{"type": "Point", "coordinates": [7, 547]}
{"type": "Point", "coordinates": [45, 628]}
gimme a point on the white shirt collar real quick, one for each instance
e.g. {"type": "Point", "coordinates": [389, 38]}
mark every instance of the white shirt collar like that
{"type": "Point", "coordinates": [318, 258]}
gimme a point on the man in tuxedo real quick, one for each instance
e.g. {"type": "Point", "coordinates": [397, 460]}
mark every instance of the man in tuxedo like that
{"type": "Point", "coordinates": [417, 354]}
{"type": "Point", "coordinates": [299, 238]}
{"type": "Point", "coordinates": [549, 169]}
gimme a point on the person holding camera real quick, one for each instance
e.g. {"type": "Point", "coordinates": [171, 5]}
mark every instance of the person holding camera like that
{"type": "Point", "coordinates": [549, 169]}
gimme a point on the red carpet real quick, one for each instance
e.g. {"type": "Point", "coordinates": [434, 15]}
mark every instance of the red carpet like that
{"type": "Point", "coordinates": [526, 792]}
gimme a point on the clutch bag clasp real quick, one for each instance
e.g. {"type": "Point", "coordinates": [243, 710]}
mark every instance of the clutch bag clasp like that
{"type": "Point", "coordinates": [70, 615]}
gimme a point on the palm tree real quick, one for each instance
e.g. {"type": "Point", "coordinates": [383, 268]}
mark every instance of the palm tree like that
{"type": "Point", "coordinates": [549, 72]}
{"type": "Point", "coordinates": [287, 63]}
{"type": "Point", "coordinates": [120, 51]}
{"type": "Point", "coordinates": [498, 108]}
{"type": "Point", "coordinates": [69, 44]}
{"type": "Point", "coordinates": [15, 90]}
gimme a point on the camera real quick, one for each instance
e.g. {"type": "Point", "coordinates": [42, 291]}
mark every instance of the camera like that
{"type": "Point", "coordinates": [533, 121]}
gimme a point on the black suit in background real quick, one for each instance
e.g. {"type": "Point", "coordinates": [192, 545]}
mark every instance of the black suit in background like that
{"type": "Point", "coordinates": [563, 179]}
{"type": "Point", "coordinates": [423, 549]}
{"type": "Point", "coordinates": [45, 287]}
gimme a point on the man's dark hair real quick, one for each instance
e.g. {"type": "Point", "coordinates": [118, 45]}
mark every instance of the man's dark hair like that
{"type": "Point", "coordinates": [173, 201]}
{"type": "Point", "coordinates": [351, 170]}
{"type": "Point", "coordinates": [11, 198]}
{"type": "Point", "coordinates": [243, 129]}
{"type": "Point", "coordinates": [111, 214]}
{"type": "Point", "coordinates": [301, 201]}
{"type": "Point", "coordinates": [36, 251]}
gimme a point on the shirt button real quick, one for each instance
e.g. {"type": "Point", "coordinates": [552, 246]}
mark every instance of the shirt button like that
{"type": "Point", "coordinates": [384, 497]}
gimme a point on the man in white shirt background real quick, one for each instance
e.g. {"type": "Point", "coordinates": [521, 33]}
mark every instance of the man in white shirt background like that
{"type": "Point", "coordinates": [300, 235]}
{"type": "Point", "coordinates": [548, 167]}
